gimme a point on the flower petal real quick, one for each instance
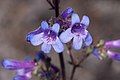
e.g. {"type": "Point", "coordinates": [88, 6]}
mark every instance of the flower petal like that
{"type": "Point", "coordinates": [115, 43]}
{"type": "Point", "coordinates": [85, 20]}
{"type": "Point", "coordinates": [56, 27]}
{"type": "Point", "coordinates": [36, 39]}
{"type": "Point", "coordinates": [113, 55]}
{"type": "Point", "coordinates": [19, 77]}
{"type": "Point", "coordinates": [66, 36]}
{"type": "Point", "coordinates": [21, 72]}
{"type": "Point", "coordinates": [84, 33]}
{"type": "Point", "coordinates": [37, 31]}
{"type": "Point", "coordinates": [58, 46]}
{"type": "Point", "coordinates": [44, 25]}
{"type": "Point", "coordinates": [66, 13]}
{"type": "Point", "coordinates": [96, 53]}
{"type": "Point", "coordinates": [88, 40]}
{"type": "Point", "coordinates": [25, 71]}
{"type": "Point", "coordinates": [75, 19]}
{"type": "Point", "coordinates": [77, 42]}
{"type": "Point", "coordinates": [16, 64]}
{"type": "Point", "coordinates": [46, 48]}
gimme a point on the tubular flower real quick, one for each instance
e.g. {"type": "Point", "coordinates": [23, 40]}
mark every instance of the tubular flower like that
{"type": "Point", "coordinates": [103, 50]}
{"type": "Point", "coordinates": [35, 37]}
{"type": "Point", "coordinates": [67, 13]}
{"type": "Point", "coordinates": [78, 32]}
{"type": "Point", "coordinates": [112, 44]}
{"type": "Point", "coordinates": [16, 64]}
{"type": "Point", "coordinates": [23, 74]}
{"type": "Point", "coordinates": [23, 68]}
{"type": "Point", "coordinates": [64, 19]}
{"type": "Point", "coordinates": [49, 37]}
{"type": "Point", "coordinates": [18, 77]}
{"type": "Point", "coordinates": [113, 55]}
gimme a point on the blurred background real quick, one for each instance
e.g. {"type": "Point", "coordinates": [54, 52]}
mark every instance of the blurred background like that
{"type": "Point", "coordinates": [18, 17]}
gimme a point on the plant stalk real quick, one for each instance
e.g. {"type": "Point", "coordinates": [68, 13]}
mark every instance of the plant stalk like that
{"type": "Point", "coordinates": [75, 66]}
{"type": "Point", "coordinates": [62, 66]}
{"type": "Point", "coordinates": [61, 58]}
{"type": "Point", "coordinates": [73, 72]}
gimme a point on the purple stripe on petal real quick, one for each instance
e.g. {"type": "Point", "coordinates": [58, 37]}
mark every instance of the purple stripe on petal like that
{"type": "Point", "coordinates": [18, 77]}
{"type": "Point", "coordinates": [16, 64]}
{"type": "Point", "coordinates": [113, 55]}
{"type": "Point", "coordinates": [50, 33]}
{"type": "Point", "coordinates": [79, 29]}
{"type": "Point", "coordinates": [115, 43]}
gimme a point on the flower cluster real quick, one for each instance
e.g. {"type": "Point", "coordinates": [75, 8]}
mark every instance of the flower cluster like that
{"type": "Point", "coordinates": [26, 68]}
{"type": "Point", "coordinates": [65, 28]}
{"type": "Point", "coordinates": [105, 49]}
{"type": "Point", "coordinates": [55, 32]}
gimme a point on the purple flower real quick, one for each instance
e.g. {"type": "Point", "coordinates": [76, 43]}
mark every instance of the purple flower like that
{"type": "Point", "coordinates": [35, 36]}
{"type": "Point", "coordinates": [23, 74]}
{"type": "Point", "coordinates": [18, 77]}
{"type": "Point", "coordinates": [113, 55]}
{"type": "Point", "coordinates": [49, 37]}
{"type": "Point", "coordinates": [23, 68]}
{"type": "Point", "coordinates": [16, 64]}
{"type": "Point", "coordinates": [96, 53]}
{"type": "Point", "coordinates": [110, 44]}
{"type": "Point", "coordinates": [78, 32]}
{"type": "Point", "coordinates": [67, 13]}
{"type": "Point", "coordinates": [104, 50]}
{"type": "Point", "coordinates": [64, 18]}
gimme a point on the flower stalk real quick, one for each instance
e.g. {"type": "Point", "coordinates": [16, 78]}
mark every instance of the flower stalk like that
{"type": "Point", "coordinates": [56, 3]}
{"type": "Point", "coordinates": [61, 58]}
{"type": "Point", "coordinates": [77, 63]}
